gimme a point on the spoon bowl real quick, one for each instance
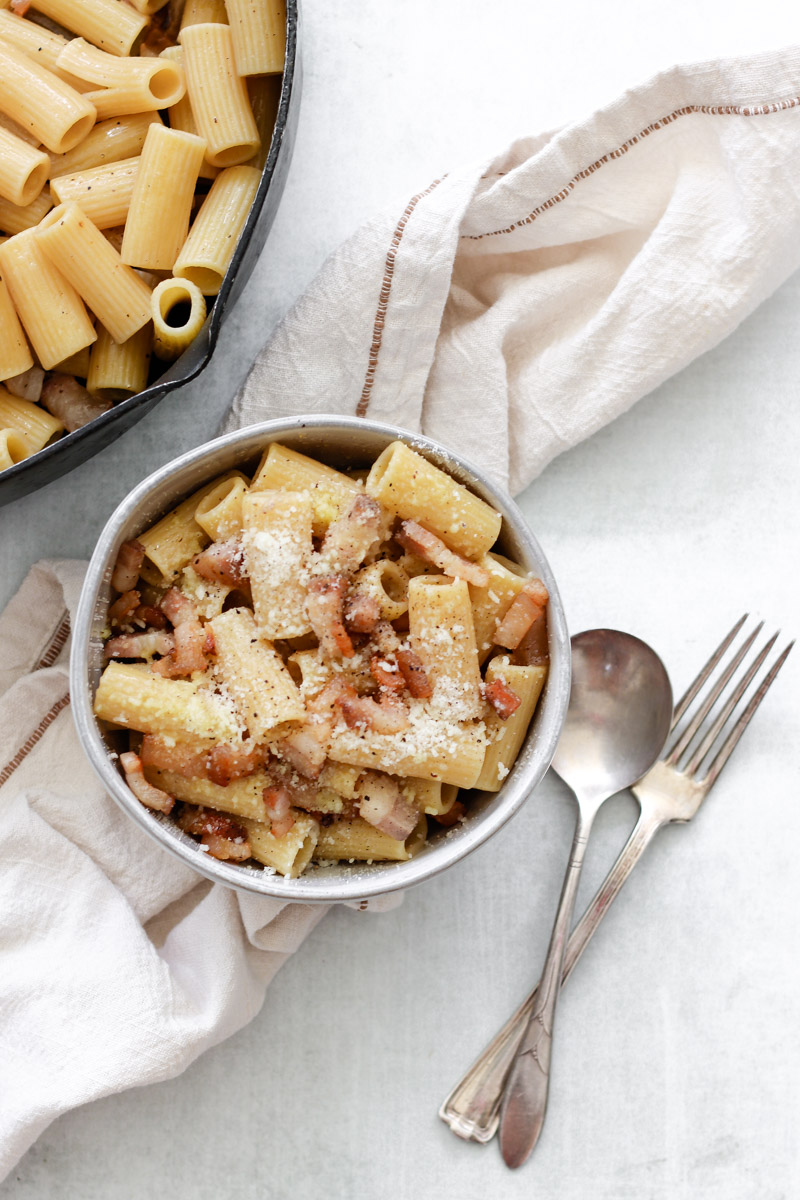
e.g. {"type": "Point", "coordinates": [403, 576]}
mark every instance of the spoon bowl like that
{"type": "Point", "coordinates": [620, 709]}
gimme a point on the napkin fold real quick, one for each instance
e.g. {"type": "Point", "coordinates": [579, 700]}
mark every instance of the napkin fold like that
{"type": "Point", "coordinates": [514, 307]}
{"type": "Point", "coordinates": [508, 310]}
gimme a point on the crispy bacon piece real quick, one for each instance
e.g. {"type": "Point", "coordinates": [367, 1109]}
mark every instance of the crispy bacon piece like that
{"type": "Point", "coordinates": [189, 654]}
{"type": "Point", "coordinates": [305, 750]}
{"type": "Point", "coordinates": [150, 796]}
{"type": "Point", "coordinates": [414, 674]}
{"type": "Point", "coordinates": [453, 814]}
{"type": "Point", "coordinates": [223, 836]}
{"type": "Point", "coordinates": [324, 606]}
{"type": "Point", "coordinates": [235, 760]}
{"type": "Point", "coordinates": [361, 612]}
{"type": "Point", "coordinates": [385, 716]}
{"type": "Point", "coordinates": [279, 808]}
{"type": "Point", "coordinates": [533, 650]}
{"type": "Point", "coordinates": [383, 804]}
{"type": "Point", "coordinates": [122, 610]}
{"type": "Point", "coordinates": [68, 400]}
{"type": "Point", "coordinates": [426, 545]}
{"type": "Point", "coordinates": [302, 792]}
{"type": "Point", "coordinates": [503, 699]}
{"type": "Point", "coordinates": [139, 645]}
{"type": "Point", "coordinates": [221, 562]}
{"type": "Point", "coordinates": [526, 607]}
{"type": "Point", "coordinates": [351, 537]}
{"type": "Point", "coordinates": [28, 385]}
{"type": "Point", "coordinates": [148, 616]}
{"type": "Point", "coordinates": [178, 757]}
{"type": "Point", "coordinates": [127, 567]}
{"type": "Point", "coordinates": [386, 674]}
{"type": "Point", "coordinates": [20, 7]}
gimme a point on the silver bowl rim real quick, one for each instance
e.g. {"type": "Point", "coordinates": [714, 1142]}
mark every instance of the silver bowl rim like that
{"type": "Point", "coordinates": [384, 877]}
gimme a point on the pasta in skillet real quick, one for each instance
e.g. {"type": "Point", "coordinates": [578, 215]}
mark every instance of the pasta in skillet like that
{"type": "Point", "coordinates": [132, 144]}
{"type": "Point", "coordinates": [297, 659]}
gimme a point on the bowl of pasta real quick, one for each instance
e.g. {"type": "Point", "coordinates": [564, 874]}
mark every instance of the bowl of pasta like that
{"type": "Point", "coordinates": [143, 152]}
{"type": "Point", "coordinates": [319, 658]}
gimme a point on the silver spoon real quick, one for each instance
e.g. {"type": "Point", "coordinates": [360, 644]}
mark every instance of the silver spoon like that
{"type": "Point", "coordinates": [619, 714]}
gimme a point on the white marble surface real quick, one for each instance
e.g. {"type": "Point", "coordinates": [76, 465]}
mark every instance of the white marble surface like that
{"type": "Point", "coordinates": [676, 1064]}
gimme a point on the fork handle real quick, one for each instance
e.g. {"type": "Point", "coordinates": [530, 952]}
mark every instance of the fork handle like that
{"type": "Point", "coordinates": [472, 1109]}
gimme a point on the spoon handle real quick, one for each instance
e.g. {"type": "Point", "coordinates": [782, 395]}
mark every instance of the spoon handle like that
{"type": "Point", "coordinates": [525, 1101]}
{"type": "Point", "coordinates": [472, 1108]}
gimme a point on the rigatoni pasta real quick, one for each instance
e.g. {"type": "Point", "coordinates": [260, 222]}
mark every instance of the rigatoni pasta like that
{"type": "Point", "coordinates": [78, 106]}
{"type": "Point", "coordinates": [38, 290]}
{"type": "Point", "coordinates": [359, 709]}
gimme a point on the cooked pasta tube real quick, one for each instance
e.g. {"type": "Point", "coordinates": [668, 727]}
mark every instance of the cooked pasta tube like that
{"type": "Point", "coordinates": [148, 6]}
{"type": "Point", "coordinates": [220, 102]}
{"type": "Point", "coordinates": [76, 364]}
{"type": "Point", "coordinates": [110, 141]}
{"type": "Point", "coordinates": [199, 12]}
{"type": "Point", "coordinates": [331, 492]}
{"type": "Point", "coordinates": [17, 130]}
{"type": "Point", "coordinates": [208, 250]}
{"type": "Point", "coordinates": [150, 83]}
{"type": "Point", "coordinates": [429, 796]}
{"type": "Point", "coordinates": [15, 218]}
{"type": "Point", "coordinates": [358, 841]}
{"type": "Point", "coordinates": [443, 636]}
{"type": "Point", "coordinates": [15, 356]}
{"type": "Point", "coordinates": [131, 695]}
{"type": "Point", "coordinates": [430, 749]}
{"type": "Point", "coordinates": [103, 193]}
{"type": "Point", "coordinates": [38, 289]}
{"type": "Point", "coordinates": [254, 676]}
{"type": "Point", "coordinates": [118, 369]}
{"type": "Point", "coordinates": [491, 603]}
{"type": "Point", "coordinates": [265, 97]}
{"type": "Point", "coordinates": [38, 43]}
{"type": "Point", "coordinates": [241, 797]}
{"type": "Point", "coordinates": [219, 513]}
{"type": "Point", "coordinates": [181, 115]}
{"type": "Point", "coordinates": [174, 540]}
{"type": "Point", "coordinates": [506, 737]}
{"type": "Point", "coordinates": [23, 169]}
{"type": "Point", "coordinates": [386, 583]}
{"type": "Point", "coordinates": [117, 296]}
{"type": "Point", "coordinates": [105, 23]}
{"type": "Point", "coordinates": [289, 854]}
{"type": "Point", "coordinates": [41, 102]}
{"type": "Point", "coordinates": [13, 448]}
{"type": "Point", "coordinates": [277, 548]}
{"type": "Point", "coordinates": [411, 487]}
{"type": "Point", "coordinates": [32, 423]}
{"type": "Point", "coordinates": [343, 780]}
{"type": "Point", "coordinates": [259, 35]}
{"type": "Point", "coordinates": [178, 308]}
{"type": "Point", "coordinates": [158, 217]}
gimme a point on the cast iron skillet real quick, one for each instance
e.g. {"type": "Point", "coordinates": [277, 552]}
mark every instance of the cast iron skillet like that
{"type": "Point", "coordinates": [74, 448]}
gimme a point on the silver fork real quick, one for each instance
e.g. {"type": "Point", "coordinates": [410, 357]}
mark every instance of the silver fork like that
{"type": "Point", "coordinates": [668, 792]}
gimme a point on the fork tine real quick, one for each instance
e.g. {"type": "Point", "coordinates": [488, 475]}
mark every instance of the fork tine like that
{"type": "Point", "coordinates": [691, 729]}
{"type": "Point", "coordinates": [729, 745]}
{"type": "Point", "coordinates": [694, 687]}
{"type": "Point", "coordinates": [736, 695]}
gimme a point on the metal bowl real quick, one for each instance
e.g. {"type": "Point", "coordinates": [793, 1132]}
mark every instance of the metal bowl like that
{"type": "Point", "coordinates": [341, 442]}
{"type": "Point", "coordinates": [74, 448]}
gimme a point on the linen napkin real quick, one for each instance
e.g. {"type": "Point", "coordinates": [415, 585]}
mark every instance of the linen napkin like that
{"type": "Point", "coordinates": [511, 309]}
{"type": "Point", "coordinates": [508, 309]}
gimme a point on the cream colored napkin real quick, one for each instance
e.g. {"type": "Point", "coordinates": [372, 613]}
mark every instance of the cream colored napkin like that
{"type": "Point", "coordinates": [508, 310]}
{"type": "Point", "coordinates": [118, 964]}
{"type": "Point", "coordinates": [511, 309]}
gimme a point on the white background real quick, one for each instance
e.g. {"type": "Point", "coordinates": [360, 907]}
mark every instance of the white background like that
{"type": "Point", "coordinates": [676, 1064]}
